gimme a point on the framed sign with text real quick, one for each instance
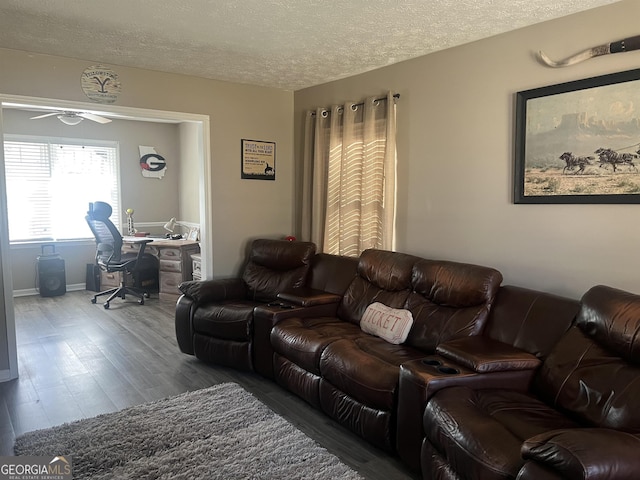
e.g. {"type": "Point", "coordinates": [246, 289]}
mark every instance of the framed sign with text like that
{"type": "Point", "coordinates": [258, 159]}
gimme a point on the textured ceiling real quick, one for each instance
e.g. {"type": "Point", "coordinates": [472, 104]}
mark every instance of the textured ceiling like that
{"type": "Point", "coordinates": [277, 43]}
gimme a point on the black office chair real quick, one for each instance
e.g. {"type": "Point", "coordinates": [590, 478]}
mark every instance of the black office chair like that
{"type": "Point", "coordinates": [110, 258]}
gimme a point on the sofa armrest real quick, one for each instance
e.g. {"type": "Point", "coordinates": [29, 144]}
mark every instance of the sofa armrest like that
{"type": "Point", "coordinates": [588, 453]}
{"type": "Point", "coordinates": [308, 297]}
{"type": "Point", "coordinates": [184, 324]}
{"type": "Point", "coordinates": [483, 355]}
{"type": "Point", "coordinates": [536, 471]}
{"type": "Point", "coordinates": [206, 291]}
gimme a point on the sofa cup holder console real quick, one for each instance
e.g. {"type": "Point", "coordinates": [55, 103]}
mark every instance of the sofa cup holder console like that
{"type": "Point", "coordinates": [438, 365]}
{"type": "Point", "coordinates": [281, 305]}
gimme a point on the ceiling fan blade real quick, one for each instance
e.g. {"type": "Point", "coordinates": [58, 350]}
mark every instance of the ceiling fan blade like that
{"type": "Point", "coordinates": [45, 115]}
{"type": "Point", "coordinates": [95, 118]}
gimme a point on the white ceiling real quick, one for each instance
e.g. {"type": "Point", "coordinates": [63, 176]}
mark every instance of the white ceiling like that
{"type": "Point", "coordinates": [277, 43]}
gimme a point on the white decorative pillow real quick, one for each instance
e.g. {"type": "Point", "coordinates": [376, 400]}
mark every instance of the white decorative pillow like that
{"type": "Point", "coordinates": [390, 324]}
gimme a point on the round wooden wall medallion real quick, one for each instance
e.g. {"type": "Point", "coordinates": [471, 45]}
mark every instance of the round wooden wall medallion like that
{"type": "Point", "coordinates": [100, 84]}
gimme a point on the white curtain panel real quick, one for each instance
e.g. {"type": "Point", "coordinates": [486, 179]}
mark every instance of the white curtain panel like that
{"type": "Point", "coordinates": [349, 179]}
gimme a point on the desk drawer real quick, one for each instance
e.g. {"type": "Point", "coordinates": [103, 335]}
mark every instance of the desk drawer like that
{"type": "Point", "coordinates": [135, 248]}
{"type": "Point", "coordinates": [169, 282]}
{"type": "Point", "coordinates": [113, 279]}
{"type": "Point", "coordinates": [109, 279]}
{"type": "Point", "coordinates": [171, 253]}
{"type": "Point", "coordinates": [170, 265]}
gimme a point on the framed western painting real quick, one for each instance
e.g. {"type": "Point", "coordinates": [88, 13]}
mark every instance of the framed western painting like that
{"type": "Point", "coordinates": [579, 142]}
{"type": "Point", "coordinates": [258, 159]}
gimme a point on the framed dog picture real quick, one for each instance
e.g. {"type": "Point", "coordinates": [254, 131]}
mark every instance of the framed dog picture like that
{"type": "Point", "coordinates": [579, 142]}
{"type": "Point", "coordinates": [258, 159]}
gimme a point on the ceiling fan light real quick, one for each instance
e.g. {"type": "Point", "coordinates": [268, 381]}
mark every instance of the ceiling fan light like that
{"type": "Point", "coordinates": [69, 119]}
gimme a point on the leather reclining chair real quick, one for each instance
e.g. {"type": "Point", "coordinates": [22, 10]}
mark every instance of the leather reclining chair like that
{"type": "Point", "coordinates": [579, 419]}
{"type": "Point", "coordinates": [214, 318]}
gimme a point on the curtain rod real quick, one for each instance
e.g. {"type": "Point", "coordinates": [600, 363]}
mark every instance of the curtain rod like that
{"type": "Point", "coordinates": [395, 95]}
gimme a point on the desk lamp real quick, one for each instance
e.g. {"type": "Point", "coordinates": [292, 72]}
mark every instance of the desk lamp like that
{"type": "Point", "coordinates": [131, 231]}
{"type": "Point", "coordinates": [170, 227]}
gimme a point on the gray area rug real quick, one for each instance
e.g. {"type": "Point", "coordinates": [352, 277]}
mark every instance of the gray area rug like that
{"type": "Point", "coordinates": [221, 432]}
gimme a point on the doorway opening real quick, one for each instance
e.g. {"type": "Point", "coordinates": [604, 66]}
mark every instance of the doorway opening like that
{"type": "Point", "coordinates": [199, 128]}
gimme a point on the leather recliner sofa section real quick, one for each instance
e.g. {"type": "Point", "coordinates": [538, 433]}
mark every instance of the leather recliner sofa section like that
{"type": "Point", "coordinates": [580, 417]}
{"type": "Point", "coordinates": [353, 376]}
{"type": "Point", "coordinates": [329, 278]}
{"type": "Point", "coordinates": [522, 328]}
{"type": "Point", "coordinates": [214, 318]}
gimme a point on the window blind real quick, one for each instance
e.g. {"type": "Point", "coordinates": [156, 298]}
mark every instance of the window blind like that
{"type": "Point", "coordinates": [50, 183]}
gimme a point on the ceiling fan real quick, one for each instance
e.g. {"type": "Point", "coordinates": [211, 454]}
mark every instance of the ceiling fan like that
{"type": "Point", "coordinates": [74, 118]}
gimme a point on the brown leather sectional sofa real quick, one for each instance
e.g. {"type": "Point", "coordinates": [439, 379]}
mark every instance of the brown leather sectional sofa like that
{"type": "Point", "coordinates": [491, 382]}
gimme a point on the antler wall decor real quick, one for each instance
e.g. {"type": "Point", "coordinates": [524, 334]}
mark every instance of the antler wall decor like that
{"type": "Point", "coordinates": [626, 45]}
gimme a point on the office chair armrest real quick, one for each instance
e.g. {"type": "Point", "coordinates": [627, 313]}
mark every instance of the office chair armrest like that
{"type": "Point", "coordinates": [205, 291]}
{"type": "Point", "coordinates": [132, 260]}
{"type": "Point", "coordinates": [141, 242]}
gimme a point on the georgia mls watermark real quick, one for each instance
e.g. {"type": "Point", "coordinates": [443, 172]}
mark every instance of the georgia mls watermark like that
{"type": "Point", "coordinates": [36, 468]}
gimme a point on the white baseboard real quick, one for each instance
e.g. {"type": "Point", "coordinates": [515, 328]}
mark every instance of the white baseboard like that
{"type": "Point", "coordinates": [32, 291]}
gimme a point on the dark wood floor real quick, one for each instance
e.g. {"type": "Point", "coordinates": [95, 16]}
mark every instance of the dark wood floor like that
{"type": "Point", "coordinates": [78, 360]}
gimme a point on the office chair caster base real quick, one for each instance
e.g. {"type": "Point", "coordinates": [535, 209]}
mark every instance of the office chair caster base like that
{"type": "Point", "coordinates": [106, 306]}
{"type": "Point", "coordinates": [93, 300]}
{"type": "Point", "coordinates": [141, 301]}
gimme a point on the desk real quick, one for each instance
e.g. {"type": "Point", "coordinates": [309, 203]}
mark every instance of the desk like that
{"type": "Point", "coordinates": [174, 258]}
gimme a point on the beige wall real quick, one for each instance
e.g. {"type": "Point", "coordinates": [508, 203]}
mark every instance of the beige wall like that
{"type": "Point", "coordinates": [188, 191]}
{"type": "Point", "coordinates": [455, 156]}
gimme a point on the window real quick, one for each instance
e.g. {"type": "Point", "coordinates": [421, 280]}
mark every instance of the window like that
{"type": "Point", "coordinates": [51, 181]}
{"type": "Point", "coordinates": [349, 177]}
